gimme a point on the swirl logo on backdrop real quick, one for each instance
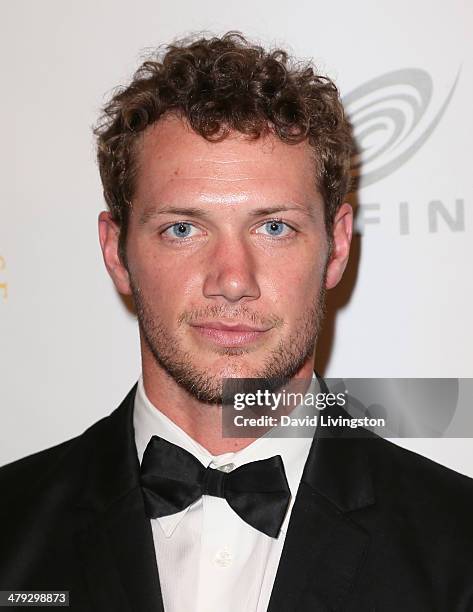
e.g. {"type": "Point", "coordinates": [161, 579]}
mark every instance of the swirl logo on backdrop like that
{"type": "Point", "coordinates": [3, 285]}
{"type": "Point", "coordinates": [392, 118]}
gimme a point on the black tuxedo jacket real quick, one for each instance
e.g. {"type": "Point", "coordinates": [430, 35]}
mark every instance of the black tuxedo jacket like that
{"type": "Point", "coordinates": [374, 528]}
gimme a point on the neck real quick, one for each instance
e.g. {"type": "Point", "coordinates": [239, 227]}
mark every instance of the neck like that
{"type": "Point", "coordinates": [202, 422]}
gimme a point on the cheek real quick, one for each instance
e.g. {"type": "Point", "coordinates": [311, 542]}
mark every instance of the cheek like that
{"type": "Point", "coordinates": [292, 287]}
{"type": "Point", "coordinates": [164, 281]}
{"type": "Point", "coordinates": [299, 274]}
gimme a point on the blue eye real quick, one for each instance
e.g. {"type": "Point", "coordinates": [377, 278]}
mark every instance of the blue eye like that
{"type": "Point", "coordinates": [275, 228]}
{"type": "Point", "coordinates": [180, 230]}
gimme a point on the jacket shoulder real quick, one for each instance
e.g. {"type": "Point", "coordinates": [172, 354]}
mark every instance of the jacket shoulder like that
{"type": "Point", "coordinates": [411, 466]}
{"type": "Point", "coordinates": [417, 487]}
{"type": "Point", "coordinates": [63, 465]}
{"type": "Point", "coordinates": [24, 478]}
{"type": "Point", "coordinates": [33, 465]}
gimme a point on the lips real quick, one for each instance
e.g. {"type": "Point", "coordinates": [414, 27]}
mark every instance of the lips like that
{"type": "Point", "coordinates": [230, 334]}
{"type": "Point", "coordinates": [231, 326]}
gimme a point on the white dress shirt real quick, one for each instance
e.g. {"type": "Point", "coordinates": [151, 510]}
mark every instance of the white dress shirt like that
{"type": "Point", "coordinates": [209, 559]}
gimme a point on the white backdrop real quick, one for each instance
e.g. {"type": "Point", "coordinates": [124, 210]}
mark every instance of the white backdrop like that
{"type": "Point", "coordinates": [69, 350]}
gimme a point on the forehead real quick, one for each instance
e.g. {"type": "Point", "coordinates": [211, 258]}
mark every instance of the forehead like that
{"type": "Point", "coordinates": [172, 158]}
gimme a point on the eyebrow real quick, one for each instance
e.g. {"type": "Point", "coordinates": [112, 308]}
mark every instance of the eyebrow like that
{"type": "Point", "coordinates": [184, 211]}
{"type": "Point", "coordinates": [261, 212]}
{"type": "Point", "coordinates": [193, 212]}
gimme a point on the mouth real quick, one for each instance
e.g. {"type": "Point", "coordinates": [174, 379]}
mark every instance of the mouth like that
{"type": "Point", "coordinates": [230, 334]}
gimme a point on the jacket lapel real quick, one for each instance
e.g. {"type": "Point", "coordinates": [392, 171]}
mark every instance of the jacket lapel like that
{"type": "Point", "coordinates": [116, 547]}
{"type": "Point", "coordinates": [324, 548]}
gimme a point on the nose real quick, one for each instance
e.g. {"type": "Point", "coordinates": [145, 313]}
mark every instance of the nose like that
{"type": "Point", "coordinates": [231, 272]}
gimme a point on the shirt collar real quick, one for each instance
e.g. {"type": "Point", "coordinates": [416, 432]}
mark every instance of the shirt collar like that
{"type": "Point", "coordinates": [149, 421]}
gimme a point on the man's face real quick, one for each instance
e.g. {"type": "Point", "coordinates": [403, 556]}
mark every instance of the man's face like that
{"type": "Point", "coordinates": [227, 257]}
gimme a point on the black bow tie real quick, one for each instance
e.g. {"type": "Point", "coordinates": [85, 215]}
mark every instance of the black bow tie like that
{"type": "Point", "coordinates": [172, 479]}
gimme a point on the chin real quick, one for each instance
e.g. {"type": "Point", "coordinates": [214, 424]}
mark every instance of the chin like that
{"type": "Point", "coordinates": [232, 368]}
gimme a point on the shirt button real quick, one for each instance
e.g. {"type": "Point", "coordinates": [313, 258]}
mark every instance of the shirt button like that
{"type": "Point", "coordinates": [223, 558]}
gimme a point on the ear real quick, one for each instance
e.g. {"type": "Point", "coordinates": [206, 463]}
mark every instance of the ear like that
{"type": "Point", "coordinates": [109, 232]}
{"type": "Point", "coordinates": [341, 238]}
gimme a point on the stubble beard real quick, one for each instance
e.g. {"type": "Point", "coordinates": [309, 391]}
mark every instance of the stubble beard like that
{"type": "Point", "coordinates": [280, 365]}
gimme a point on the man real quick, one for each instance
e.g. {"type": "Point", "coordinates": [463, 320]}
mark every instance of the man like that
{"type": "Point", "coordinates": [225, 168]}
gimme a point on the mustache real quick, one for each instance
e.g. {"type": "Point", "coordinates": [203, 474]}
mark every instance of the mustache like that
{"type": "Point", "coordinates": [242, 314]}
